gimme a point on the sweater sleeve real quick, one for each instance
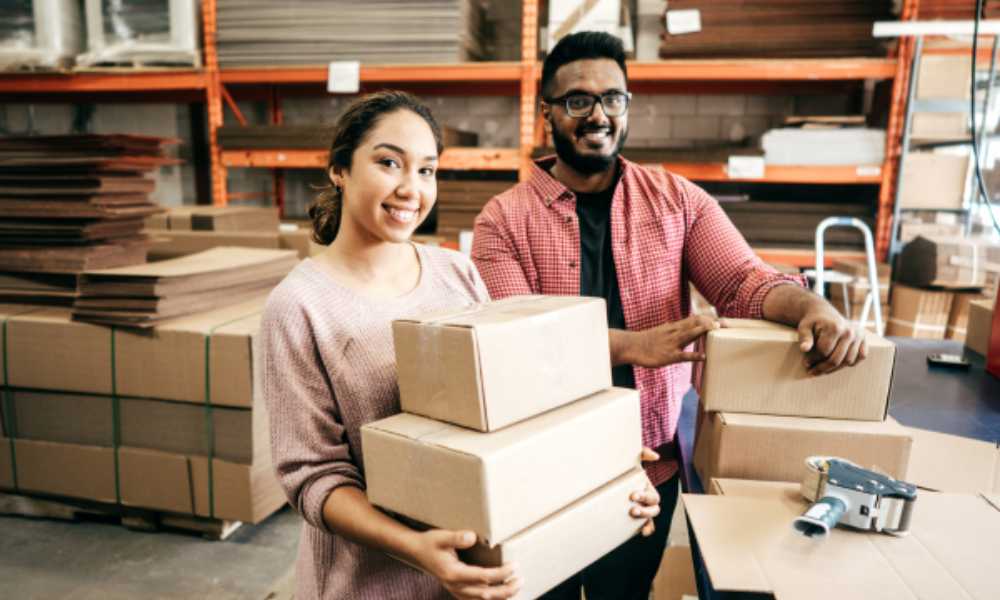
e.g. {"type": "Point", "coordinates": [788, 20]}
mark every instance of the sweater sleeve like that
{"type": "Point", "coordinates": [309, 447]}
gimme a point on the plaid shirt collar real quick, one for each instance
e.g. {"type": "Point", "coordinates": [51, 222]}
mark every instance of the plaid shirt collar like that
{"type": "Point", "coordinates": [550, 189]}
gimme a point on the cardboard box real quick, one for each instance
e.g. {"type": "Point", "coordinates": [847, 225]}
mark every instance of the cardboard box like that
{"type": "Point", "coordinates": [748, 545]}
{"type": "Point", "coordinates": [179, 483]}
{"type": "Point", "coordinates": [72, 470]}
{"type": "Point", "coordinates": [499, 483]}
{"type": "Point", "coordinates": [569, 16]}
{"type": "Point", "coordinates": [171, 244]}
{"type": "Point", "coordinates": [980, 323]}
{"type": "Point", "coordinates": [947, 262]}
{"type": "Point", "coordinates": [949, 463]}
{"type": "Point", "coordinates": [240, 434]}
{"type": "Point", "coordinates": [559, 546]}
{"type": "Point", "coordinates": [299, 240]}
{"type": "Point", "coordinates": [757, 367]}
{"type": "Point", "coordinates": [6, 465]}
{"type": "Point", "coordinates": [917, 313]}
{"type": "Point", "coordinates": [8, 312]}
{"type": "Point", "coordinates": [944, 77]}
{"type": "Point", "coordinates": [939, 126]}
{"type": "Point", "coordinates": [933, 180]}
{"type": "Point", "coordinates": [768, 448]}
{"type": "Point", "coordinates": [215, 218]}
{"type": "Point", "coordinates": [909, 231]}
{"type": "Point", "coordinates": [675, 579]}
{"type": "Point", "coordinates": [491, 365]}
{"type": "Point", "coordinates": [958, 318]}
{"type": "Point", "coordinates": [47, 350]}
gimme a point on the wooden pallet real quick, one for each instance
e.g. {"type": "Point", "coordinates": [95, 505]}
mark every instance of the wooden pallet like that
{"type": "Point", "coordinates": [137, 519]}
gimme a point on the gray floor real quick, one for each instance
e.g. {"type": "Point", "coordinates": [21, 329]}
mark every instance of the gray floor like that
{"type": "Point", "coordinates": [61, 560]}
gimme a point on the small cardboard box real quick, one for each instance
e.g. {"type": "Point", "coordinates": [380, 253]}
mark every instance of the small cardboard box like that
{"type": "Point", "coordinates": [179, 483]}
{"type": "Point", "coordinates": [768, 448]}
{"type": "Point", "coordinates": [958, 318]}
{"type": "Point", "coordinates": [947, 262]}
{"type": "Point", "coordinates": [917, 313]}
{"type": "Point", "coordinates": [748, 545]}
{"type": "Point", "coordinates": [497, 484]}
{"type": "Point", "coordinates": [758, 367]}
{"type": "Point", "coordinates": [495, 364]}
{"type": "Point", "coordinates": [933, 180]}
{"type": "Point", "coordinates": [559, 546]}
{"type": "Point", "coordinates": [980, 324]}
{"type": "Point", "coordinates": [944, 77]}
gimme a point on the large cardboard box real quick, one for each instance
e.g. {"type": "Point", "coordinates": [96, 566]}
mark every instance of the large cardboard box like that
{"type": "Point", "coordinates": [499, 483]}
{"type": "Point", "coordinates": [675, 579]}
{"type": "Point", "coordinates": [180, 484]}
{"type": "Point", "coordinates": [494, 364]}
{"type": "Point", "coordinates": [918, 313]}
{"type": "Point", "coordinates": [933, 180]}
{"type": "Point", "coordinates": [768, 448]}
{"type": "Point", "coordinates": [48, 350]}
{"type": "Point", "coordinates": [980, 323]}
{"type": "Point", "coordinates": [758, 367]}
{"type": "Point", "coordinates": [958, 318]}
{"type": "Point", "coordinates": [947, 262]}
{"type": "Point", "coordinates": [73, 470]}
{"type": "Point", "coordinates": [748, 545]}
{"type": "Point", "coordinates": [949, 463]}
{"type": "Point", "coordinates": [559, 546]}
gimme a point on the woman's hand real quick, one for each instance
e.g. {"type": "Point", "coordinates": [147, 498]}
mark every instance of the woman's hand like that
{"type": "Point", "coordinates": [646, 502]}
{"type": "Point", "coordinates": [436, 551]}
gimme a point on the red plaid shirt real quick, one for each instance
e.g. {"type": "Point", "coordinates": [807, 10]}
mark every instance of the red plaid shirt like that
{"type": "Point", "coordinates": [665, 232]}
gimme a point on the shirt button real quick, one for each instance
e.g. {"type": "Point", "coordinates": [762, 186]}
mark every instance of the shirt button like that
{"type": "Point", "coordinates": [568, 219]}
{"type": "Point", "coordinates": [572, 264]}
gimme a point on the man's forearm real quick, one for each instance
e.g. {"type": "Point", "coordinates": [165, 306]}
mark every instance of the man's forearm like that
{"type": "Point", "coordinates": [789, 303]}
{"type": "Point", "coordinates": [622, 345]}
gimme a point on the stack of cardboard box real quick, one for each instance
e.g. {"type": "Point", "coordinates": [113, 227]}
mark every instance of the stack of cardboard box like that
{"type": "Point", "coordinates": [849, 298]}
{"type": "Point", "coordinates": [937, 279]}
{"type": "Point", "coordinates": [763, 414]}
{"type": "Point", "coordinates": [168, 419]}
{"type": "Point", "coordinates": [511, 429]}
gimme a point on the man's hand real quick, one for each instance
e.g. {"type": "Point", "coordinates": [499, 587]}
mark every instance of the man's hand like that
{"type": "Point", "coordinates": [828, 340]}
{"type": "Point", "coordinates": [662, 345]}
{"type": "Point", "coordinates": [646, 502]}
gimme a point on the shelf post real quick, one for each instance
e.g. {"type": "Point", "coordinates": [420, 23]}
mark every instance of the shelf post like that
{"type": "Point", "coordinates": [529, 85]}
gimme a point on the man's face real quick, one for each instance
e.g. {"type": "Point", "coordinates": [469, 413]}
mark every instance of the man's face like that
{"type": "Point", "coordinates": [587, 144]}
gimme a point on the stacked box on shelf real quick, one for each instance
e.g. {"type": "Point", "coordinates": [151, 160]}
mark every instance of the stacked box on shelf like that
{"type": "Point", "coordinates": [498, 399]}
{"type": "Point", "coordinates": [763, 414]}
{"type": "Point", "coordinates": [980, 325]}
{"type": "Point", "coordinates": [168, 419]}
{"type": "Point", "coordinates": [461, 200]}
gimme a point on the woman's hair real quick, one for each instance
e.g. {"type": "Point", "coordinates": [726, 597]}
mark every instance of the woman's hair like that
{"type": "Point", "coordinates": [348, 133]}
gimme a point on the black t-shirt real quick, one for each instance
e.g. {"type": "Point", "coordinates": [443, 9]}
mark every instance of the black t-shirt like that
{"type": "Point", "coordinates": [598, 277]}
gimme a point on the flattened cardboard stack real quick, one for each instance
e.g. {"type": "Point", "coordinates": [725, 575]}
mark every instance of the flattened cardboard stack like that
{"type": "Point", "coordinates": [849, 298]}
{"type": "Point", "coordinates": [500, 401]}
{"type": "Point", "coordinates": [144, 295]}
{"type": "Point", "coordinates": [70, 203]}
{"type": "Point", "coordinates": [937, 278]}
{"type": "Point", "coordinates": [169, 419]}
{"type": "Point", "coordinates": [763, 414]}
{"type": "Point", "coordinates": [186, 230]}
{"type": "Point", "coordinates": [461, 200]}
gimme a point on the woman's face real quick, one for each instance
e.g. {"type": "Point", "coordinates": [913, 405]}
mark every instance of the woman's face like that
{"type": "Point", "coordinates": [391, 185]}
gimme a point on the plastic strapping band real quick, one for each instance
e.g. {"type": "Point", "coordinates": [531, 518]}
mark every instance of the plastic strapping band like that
{"type": "Point", "coordinates": [209, 422]}
{"type": "Point", "coordinates": [115, 417]}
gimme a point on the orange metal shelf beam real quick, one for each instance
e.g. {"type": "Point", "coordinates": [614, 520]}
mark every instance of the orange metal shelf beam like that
{"type": "Point", "coordinates": [866, 174]}
{"type": "Point", "coordinates": [103, 81]}
{"type": "Point", "coordinates": [495, 159]}
{"type": "Point", "coordinates": [800, 257]}
{"type": "Point", "coordinates": [459, 72]}
{"type": "Point", "coordinates": [764, 69]}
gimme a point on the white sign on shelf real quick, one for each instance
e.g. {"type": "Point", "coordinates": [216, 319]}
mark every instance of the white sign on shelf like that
{"type": "Point", "coordinates": [868, 171]}
{"type": "Point", "coordinates": [344, 77]}
{"type": "Point", "coordinates": [745, 167]}
{"type": "Point", "coordinates": [683, 21]}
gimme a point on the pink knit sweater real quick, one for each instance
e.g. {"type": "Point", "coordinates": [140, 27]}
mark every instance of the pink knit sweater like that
{"type": "Point", "coordinates": [328, 367]}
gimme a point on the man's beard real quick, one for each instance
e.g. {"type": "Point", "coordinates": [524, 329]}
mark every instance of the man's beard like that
{"type": "Point", "coordinates": [585, 164]}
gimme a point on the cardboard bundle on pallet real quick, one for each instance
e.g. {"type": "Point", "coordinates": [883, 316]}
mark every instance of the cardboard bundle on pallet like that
{"type": "Point", "coordinates": [461, 200]}
{"type": "Point", "coordinates": [794, 223]}
{"type": "Point", "coordinates": [772, 28]}
{"type": "Point", "coordinates": [144, 295]}
{"type": "Point", "coordinates": [168, 419]}
{"type": "Point", "coordinates": [71, 203]}
{"type": "Point", "coordinates": [511, 399]}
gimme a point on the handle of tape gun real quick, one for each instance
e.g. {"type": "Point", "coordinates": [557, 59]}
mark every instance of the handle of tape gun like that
{"type": "Point", "coordinates": [821, 517]}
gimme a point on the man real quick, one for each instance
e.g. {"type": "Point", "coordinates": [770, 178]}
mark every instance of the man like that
{"type": "Point", "coordinates": [590, 222]}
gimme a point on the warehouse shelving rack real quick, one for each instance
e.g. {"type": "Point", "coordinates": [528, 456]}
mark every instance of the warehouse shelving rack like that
{"type": "Point", "coordinates": [218, 87]}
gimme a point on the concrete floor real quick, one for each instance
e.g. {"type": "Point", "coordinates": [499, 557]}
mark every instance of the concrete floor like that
{"type": "Point", "coordinates": [88, 560]}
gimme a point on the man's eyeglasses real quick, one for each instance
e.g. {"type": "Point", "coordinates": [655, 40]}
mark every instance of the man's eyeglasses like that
{"type": "Point", "coordinates": [580, 105]}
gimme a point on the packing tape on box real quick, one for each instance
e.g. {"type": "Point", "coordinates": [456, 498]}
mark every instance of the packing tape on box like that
{"type": "Point", "coordinates": [6, 401]}
{"type": "Point", "coordinates": [917, 325]}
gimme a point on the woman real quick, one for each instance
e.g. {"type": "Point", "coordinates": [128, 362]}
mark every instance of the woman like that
{"type": "Point", "coordinates": [329, 365]}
